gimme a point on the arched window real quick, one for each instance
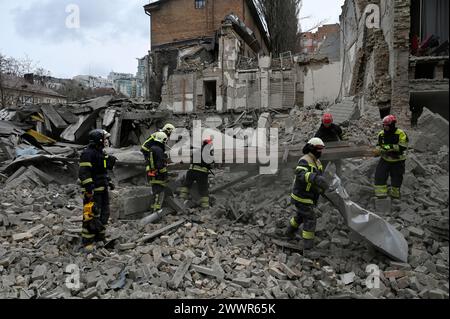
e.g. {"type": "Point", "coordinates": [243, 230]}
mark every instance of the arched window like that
{"type": "Point", "coordinates": [200, 4]}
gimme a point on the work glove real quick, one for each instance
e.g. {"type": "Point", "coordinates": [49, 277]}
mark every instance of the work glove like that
{"type": "Point", "coordinates": [321, 183]}
{"type": "Point", "coordinates": [112, 162]}
{"type": "Point", "coordinates": [88, 196]}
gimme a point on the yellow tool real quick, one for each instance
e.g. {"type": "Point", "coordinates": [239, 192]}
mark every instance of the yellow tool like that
{"type": "Point", "coordinates": [88, 212]}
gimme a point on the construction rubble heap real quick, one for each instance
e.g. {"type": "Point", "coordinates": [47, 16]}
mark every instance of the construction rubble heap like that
{"type": "Point", "coordinates": [228, 251]}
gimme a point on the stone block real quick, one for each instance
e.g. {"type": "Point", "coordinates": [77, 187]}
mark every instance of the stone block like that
{"type": "Point", "coordinates": [383, 206]}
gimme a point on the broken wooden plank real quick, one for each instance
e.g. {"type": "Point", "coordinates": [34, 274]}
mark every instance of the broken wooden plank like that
{"type": "Point", "coordinates": [175, 282]}
{"type": "Point", "coordinates": [54, 117]}
{"type": "Point", "coordinates": [233, 182]}
{"type": "Point", "coordinates": [287, 245]}
{"type": "Point", "coordinates": [41, 138]}
{"type": "Point", "coordinates": [163, 230]}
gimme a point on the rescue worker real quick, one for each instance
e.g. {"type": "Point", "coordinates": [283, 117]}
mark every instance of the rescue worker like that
{"type": "Point", "coordinates": [308, 185]}
{"type": "Point", "coordinates": [392, 145]}
{"type": "Point", "coordinates": [167, 129]}
{"type": "Point", "coordinates": [93, 174]}
{"type": "Point", "coordinates": [330, 132]}
{"type": "Point", "coordinates": [199, 172]}
{"type": "Point", "coordinates": [157, 174]}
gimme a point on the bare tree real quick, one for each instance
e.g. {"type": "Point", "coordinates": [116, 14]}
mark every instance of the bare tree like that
{"type": "Point", "coordinates": [282, 19]}
{"type": "Point", "coordinates": [12, 70]}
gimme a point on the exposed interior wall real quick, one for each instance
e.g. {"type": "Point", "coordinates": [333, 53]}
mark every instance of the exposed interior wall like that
{"type": "Point", "coordinates": [375, 61]}
{"type": "Point", "coordinates": [322, 83]}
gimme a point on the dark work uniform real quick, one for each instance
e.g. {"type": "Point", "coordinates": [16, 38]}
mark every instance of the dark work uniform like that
{"type": "Point", "coordinates": [93, 174]}
{"type": "Point", "coordinates": [305, 195]}
{"type": "Point", "coordinates": [392, 146]}
{"type": "Point", "coordinates": [330, 134]}
{"type": "Point", "coordinates": [199, 172]}
{"type": "Point", "coordinates": [333, 133]}
{"type": "Point", "coordinates": [157, 174]}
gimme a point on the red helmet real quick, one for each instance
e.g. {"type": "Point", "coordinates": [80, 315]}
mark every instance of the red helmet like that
{"type": "Point", "coordinates": [207, 141]}
{"type": "Point", "coordinates": [327, 119]}
{"type": "Point", "coordinates": [389, 120]}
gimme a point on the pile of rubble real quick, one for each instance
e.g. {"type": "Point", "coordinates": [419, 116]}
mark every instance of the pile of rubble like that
{"type": "Point", "coordinates": [41, 143]}
{"type": "Point", "coordinates": [232, 250]}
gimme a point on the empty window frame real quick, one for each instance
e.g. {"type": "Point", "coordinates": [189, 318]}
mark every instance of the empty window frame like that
{"type": "Point", "coordinates": [200, 4]}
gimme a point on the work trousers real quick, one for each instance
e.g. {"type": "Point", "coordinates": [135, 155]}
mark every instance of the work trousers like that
{"type": "Point", "coordinates": [305, 215]}
{"type": "Point", "coordinates": [95, 229]}
{"type": "Point", "coordinates": [159, 188]}
{"type": "Point", "coordinates": [201, 179]}
{"type": "Point", "coordinates": [396, 170]}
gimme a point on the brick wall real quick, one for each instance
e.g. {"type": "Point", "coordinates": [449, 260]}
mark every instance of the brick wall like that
{"type": "Point", "coordinates": [178, 20]}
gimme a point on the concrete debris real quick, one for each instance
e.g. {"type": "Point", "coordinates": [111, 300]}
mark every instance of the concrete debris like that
{"type": "Point", "coordinates": [227, 251]}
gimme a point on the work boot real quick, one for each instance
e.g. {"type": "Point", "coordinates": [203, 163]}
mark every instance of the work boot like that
{"type": "Point", "coordinates": [290, 232]}
{"type": "Point", "coordinates": [89, 248]}
{"type": "Point", "coordinates": [308, 244]}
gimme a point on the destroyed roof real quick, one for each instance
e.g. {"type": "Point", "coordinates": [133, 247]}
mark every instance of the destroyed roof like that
{"type": "Point", "coordinates": [20, 84]}
{"type": "Point", "coordinates": [259, 20]}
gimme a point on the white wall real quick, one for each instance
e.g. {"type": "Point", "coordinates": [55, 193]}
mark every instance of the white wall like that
{"type": "Point", "coordinates": [322, 83]}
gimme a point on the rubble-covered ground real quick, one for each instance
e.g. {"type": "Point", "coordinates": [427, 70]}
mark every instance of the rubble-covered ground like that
{"type": "Point", "coordinates": [231, 250]}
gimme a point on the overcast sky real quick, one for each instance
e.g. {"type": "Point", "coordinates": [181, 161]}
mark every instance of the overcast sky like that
{"type": "Point", "coordinates": [112, 33]}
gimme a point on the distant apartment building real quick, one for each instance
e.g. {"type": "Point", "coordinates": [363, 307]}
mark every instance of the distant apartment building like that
{"type": "Point", "coordinates": [312, 41]}
{"type": "Point", "coordinates": [93, 82]}
{"type": "Point", "coordinates": [128, 84]}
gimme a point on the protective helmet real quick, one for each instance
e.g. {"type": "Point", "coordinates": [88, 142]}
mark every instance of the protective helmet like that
{"type": "Point", "coordinates": [207, 141]}
{"type": "Point", "coordinates": [97, 137]}
{"type": "Point", "coordinates": [161, 137]}
{"type": "Point", "coordinates": [327, 119]}
{"type": "Point", "coordinates": [106, 134]}
{"type": "Point", "coordinates": [168, 128]}
{"type": "Point", "coordinates": [389, 120]}
{"type": "Point", "coordinates": [314, 146]}
{"type": "Point", "coordinates": [317, 143]}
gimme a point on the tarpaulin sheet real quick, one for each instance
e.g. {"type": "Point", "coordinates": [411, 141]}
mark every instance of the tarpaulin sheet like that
{"type": "Point", "coordinates": [371, 227]}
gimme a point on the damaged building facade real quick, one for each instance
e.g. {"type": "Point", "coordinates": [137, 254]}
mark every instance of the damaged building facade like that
{"type": "Point", "coordinates": [219, 61]}
{"type": "Point", "coordinates": [16, 90]}
{"type": "Point", "coordinates": [399, 63]}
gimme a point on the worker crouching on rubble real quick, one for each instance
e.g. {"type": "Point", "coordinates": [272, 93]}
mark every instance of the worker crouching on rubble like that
{"type": "Point", "coordinates": [93, 174]}
{"type": "Point", "coordinates": [199, 172]}
{"type": "Point", "coordinates": [392, 145]}
{"type": "Point", "coordinates": [308, 185]}
{"type": "Point", "coordinates": [154, 151]}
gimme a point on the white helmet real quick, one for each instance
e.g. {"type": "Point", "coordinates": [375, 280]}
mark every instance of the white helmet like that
{"type": "Point", "coordinates": [161, 137]}
{"type": "Point", "coordinates": [168, 129]}
{"type": "Point", "coordinates": [106, 134]}
{"type": "Point", "coordinates": [316, 142]}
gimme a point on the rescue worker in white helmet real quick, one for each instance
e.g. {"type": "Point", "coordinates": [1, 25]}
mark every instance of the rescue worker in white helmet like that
{"type": "Point", "coordinates": [156, 168]}
{"type": "Point", "coordinates": [308, 185]}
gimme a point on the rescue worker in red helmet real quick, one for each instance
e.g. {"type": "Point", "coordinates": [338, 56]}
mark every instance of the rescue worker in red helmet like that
{"type": "Point", "coordinates": [308, 185]}
{"type": "Point", "coordinates": [199, 173]}
{"type": "Point", "coordinates": [392, 145]}
{"type": "Point", "coordinates": [331, 132]}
